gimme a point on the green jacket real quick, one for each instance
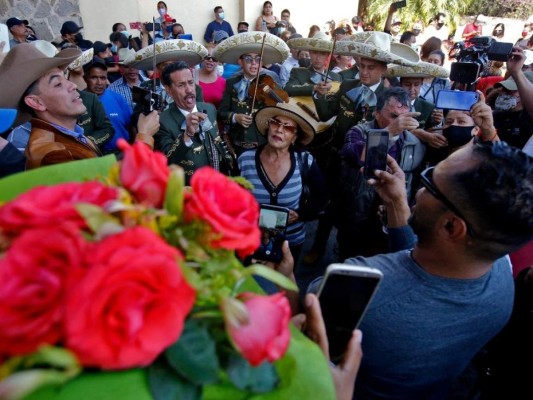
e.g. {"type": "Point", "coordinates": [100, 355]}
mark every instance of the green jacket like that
{"type": "Point", "coordinates": [169, 140]}
{"type": "Point", "coordinates": [300, 83]}
{"type": "Point", "coordinates": [94, 121]}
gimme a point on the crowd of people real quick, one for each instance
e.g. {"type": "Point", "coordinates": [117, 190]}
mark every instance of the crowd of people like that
{"type": "Point", "coordinates": [448, 222]}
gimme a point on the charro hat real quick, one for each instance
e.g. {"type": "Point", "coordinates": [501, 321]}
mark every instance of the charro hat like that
{"type": "Point", "coordinates": [45, 47]}
{"type": "Point", "coordinates": [420, 70]}
{"type": "Point", "coordinates": [288, 110]}
{"type": "Point", "coordinates": [85, 58]}
{"type": "Point", "coordinates": [7, 117]}
{"type": "Point", "coordinates": [319, 42]}
{"type": "Point", "coordinates": [377, 46]}
{"type": "Point", "coordinates": [23, 65]}
{"type": "Point", "coordinates": [168, 50]}
{"type": "Point", "coordinates": [229, 50]}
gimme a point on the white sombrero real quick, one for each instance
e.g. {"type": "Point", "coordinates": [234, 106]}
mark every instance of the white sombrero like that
{"type": "Point", "coordinates": [420, 70]}
{"type": "Point", "coordinates": [85, 58]}
{"type": "Point", "coordinates": [45, 47]}
{"type": "Point", "coordinates": [377, 46]}
{"type": "Point", "coordinates": [319, 42]}
{"type": "Point", "coordinates": [168, 50]}
{"type": "Point", "coordinates": [288, 110]}
{"type": "Point", "coordinates": [229, 50]}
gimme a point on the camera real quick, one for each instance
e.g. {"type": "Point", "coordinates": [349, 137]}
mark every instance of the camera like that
{"type": "Point", "coordinates": [147, 99]}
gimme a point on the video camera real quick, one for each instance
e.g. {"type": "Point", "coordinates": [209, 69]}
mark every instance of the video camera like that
{"type": "Point", "coordinates": [474, 57]}
{"type": "Point", "coordinates": [148, 100]}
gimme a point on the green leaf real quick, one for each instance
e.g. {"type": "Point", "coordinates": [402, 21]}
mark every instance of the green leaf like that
{"type": "Point", "coordinates": [165, 384]}
{"type": "Point", "coordinates": [98, 220]}
{"type": "Point", "coordinates": [174, 192]}
{"type": "Point", "coordinates": [273, 276]}
{"type": "Point", "coordinates": [260, 379]}
{"type": "Point", "coordinates": [74, 171]}
{"type": "Point", "coordinates": [194, 355]}
{"type": "Point", "coordinates": [130, 385]}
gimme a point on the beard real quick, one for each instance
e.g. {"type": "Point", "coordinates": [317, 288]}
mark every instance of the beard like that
{"type": "Point", "coordinates": [423, 223]}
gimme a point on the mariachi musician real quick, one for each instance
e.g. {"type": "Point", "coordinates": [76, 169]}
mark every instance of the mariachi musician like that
{"type": "Point", "coordinates": [250, 50]}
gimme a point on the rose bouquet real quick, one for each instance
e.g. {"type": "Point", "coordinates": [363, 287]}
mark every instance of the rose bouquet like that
{"type": "Point", "coordinates": [130, 286]}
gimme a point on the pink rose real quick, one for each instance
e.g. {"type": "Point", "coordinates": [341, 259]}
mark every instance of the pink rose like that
{"type": "Point", "coordinates": [265, 334]}
{"type": "Point", "coordinates": [131, 304]}
{"type": "Point", "coordinates": [230, 210]}
{"type": "Point", "coordinates": [44, 206]}
{"type": "Point", "coordinates": [34, 275]}
{"type": "Point", "coordinates": [144, 173]}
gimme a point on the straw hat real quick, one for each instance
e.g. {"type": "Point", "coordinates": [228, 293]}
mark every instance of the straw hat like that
{"type": "Point", "coordinates": [319, 42]}
{"type": "Point", "coordinates": [288, 110]}
{"type": "Point", "coordinates": [23, 65]}
{"type": "Point", "coordinates": [85, 58]}
{"type": "Point", "coordinates": [229, 50]}
{"type": "Point", "coordinates": [168, 50]}
{"type": "Point", "coordinates": [377, 46]}
{"type": "Point", "coordinates": [420, 70]}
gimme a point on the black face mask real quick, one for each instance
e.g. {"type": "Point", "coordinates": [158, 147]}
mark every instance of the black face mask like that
{"type": "Point", "coordinates": [78, 37]}
{"type": "Point", "coordinates": [108, 60]}
{"type": "Point", "coordinates": [304, 62]}
{"type": "Point", "coordinates": [242, 30]}
{"type": "Point", "coordinates": [458, 135]}
{"type": "Point", "coordinates": [440, 24]}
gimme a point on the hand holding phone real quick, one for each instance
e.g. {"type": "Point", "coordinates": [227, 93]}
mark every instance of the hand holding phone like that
{"type": "Point", "coordinates": [399, 4]}
{"type": "Point", "coordinates": [273, 221]}
{"type": "Point", "coordinates": [456, 99]}
{"type": "Point", "coordinates": [377, 145]}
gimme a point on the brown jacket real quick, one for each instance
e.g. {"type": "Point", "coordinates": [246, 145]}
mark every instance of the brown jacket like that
{"type": "Point", "coordinates": [48, 145]}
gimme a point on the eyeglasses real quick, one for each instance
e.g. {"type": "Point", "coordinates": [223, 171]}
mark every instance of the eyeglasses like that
{"type": "Point", "coordinates": [286, 127]}
{"type": "Point", "coordinates": [210, 58]}
{"type": "Point", "coordinates": [427, 182]}
{"type": "Point", "coordinates": [250, 59]}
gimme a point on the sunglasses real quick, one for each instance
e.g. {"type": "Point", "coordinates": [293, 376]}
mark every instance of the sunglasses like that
{"type": "Point", "coordinates": [427, 181]}
{"type": "Point", "coordinates": [210, 58]}
{"type": "Point", "coordinates": [286, 127]}
{"type": "Point", "coordinates": [250, 59]}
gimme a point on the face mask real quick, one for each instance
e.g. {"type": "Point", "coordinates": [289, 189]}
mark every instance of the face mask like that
{"type": "Point", "coordinates": [162, 11]}
{"type": "Point", "coordinates": [108, 60]}
{"type": "Point", "coordinates": [440, 24]}
{"type": "Point", "coordinates": [304, 62]}
{"type": "Point", "coordinates": [281, 30]}
{"type": "Point", "coordinates": [31, 38]}
{"type": "Point", "coordinates": [505, 102]}
{"type": "Point", "coordinates": [242, 30]}
{"type": "Point", "coordinates": [458, 135]}
{"type": "Point", "coordinates": [114, 48]}
{"type": "Point", "coordinates": [220, 70]}
{"type": "Point", "coordinates": [414, 47]}
{"type": "Point", "coordinates": [126, 33]}
{"type": "Point", "coordinates": [78, 37]}
{"type": "Point", "coordinates": [221, 15]}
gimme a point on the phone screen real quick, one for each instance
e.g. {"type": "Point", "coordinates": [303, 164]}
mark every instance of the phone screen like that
{"type": "Point", "coordinates": [464, 72]}
{"type": "Point", "coordinates": [344, 296]}
{"type": "Point", "coordinates": [500, 51]}
{"type": "Point", "coordinates": [456, 100]}
{"type": "Point", "coordinates": [377, 144]}
{"type": "Point", "coordinates": [273, 222]}
{"type": "Point", "coordinates": [135, 25]}
{"type": "Point", "coordinates": [400, 4]}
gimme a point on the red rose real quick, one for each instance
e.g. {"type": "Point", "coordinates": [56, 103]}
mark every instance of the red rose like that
{"type": "Point", "coordinates": [131, 304]}
{"type": "Point", "coordinates": [46, 205]}
{"type": "Point", "coordinates": [264, 334]}
{"type": "Point", "coordinates": [34, 275]}
{"type": "Point", "coordinates": [230, 210]}
{"type": "Point", "coordinates": [144, 173]}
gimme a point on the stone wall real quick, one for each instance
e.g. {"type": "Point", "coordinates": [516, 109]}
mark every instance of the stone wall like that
{"type": "Point", "coordinates": [44, 16]}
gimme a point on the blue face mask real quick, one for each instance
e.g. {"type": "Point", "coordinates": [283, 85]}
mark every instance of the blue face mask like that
{"type": "Point", "coordinates": [126, 33]}
{"type": "Point", "coordinates": [114, 48]}
{"type": "Point", "coordinates": [221, 15]}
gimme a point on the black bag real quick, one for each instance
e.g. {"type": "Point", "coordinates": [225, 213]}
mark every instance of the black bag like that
{"type": "Point", "coordinates": [312, 204]}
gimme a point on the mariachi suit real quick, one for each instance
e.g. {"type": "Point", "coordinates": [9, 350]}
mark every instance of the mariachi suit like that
{"type": "Point", "coordinates": [300, 81]}
{"type": "Point", "coordinates": [169, 140]}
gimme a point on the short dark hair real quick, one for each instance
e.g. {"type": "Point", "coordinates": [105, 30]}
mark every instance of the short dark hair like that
{"type": "Point", "coordinates": [169, 69]}
{"type": "Point", "coordinates": [440, 53]}
{"type": "Point", "coordinates": [286, 11]}
{"type": "Point", "coordinates": [441, 14]}
{"type": "Point", "coordinates": [267, 3]}
{"type": "Point", "coordinates": [496, 194]}
{"type": "Point", "coordinates": [397, 93]}
{"type": "Point", "coordinates": [119, 37]}
{"type": "Point", "coordinates": [162, 2]}
{"type": "Point", "coordinates": [406, 36]}
{"type": "Point", "coordinates": [115, 26]}
{"type": "Point", "coordinates": [216, 9]}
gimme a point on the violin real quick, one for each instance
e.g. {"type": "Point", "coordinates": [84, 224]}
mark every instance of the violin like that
{"type": "Point", "coordinates": [267, 92]}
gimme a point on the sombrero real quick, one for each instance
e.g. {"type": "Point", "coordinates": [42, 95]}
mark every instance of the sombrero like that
{"type": "Point", "coordinates": [288, 110]}
{"type": "Point", "coordinates": [420, 70]}
{"type": "Point", "coordinates": [229, 50]}
{"type": "Point", "coordinates": [85, 58]}
{"type": "Point", "coordinates": [377, 46]}
{"type": "Point", "coordinates": [319, 42]}
{"type": "Point", "coordinates": [23, 65]}
{"type": "Point", "coordinates": [45, 47]}
{"type": "Point", "coordinates": [168, 50]}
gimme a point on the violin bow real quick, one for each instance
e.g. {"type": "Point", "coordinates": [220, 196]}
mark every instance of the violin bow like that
{"type": "Point", "coordinates": [258, 71]}
{"type": "Point", "coordinates": [330, 59]}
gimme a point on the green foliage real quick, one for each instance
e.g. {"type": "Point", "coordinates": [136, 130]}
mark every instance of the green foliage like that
{"type": "Point", "coordinates": [520, 9]}
{"type": "Point", "coordinates": [260, 379]}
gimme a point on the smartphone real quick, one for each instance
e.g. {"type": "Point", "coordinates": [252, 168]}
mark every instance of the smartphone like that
{"type": "Point", "coordinates": [136, 25]}
{"type": "Point", "coordinates": [344, 296]}
{"type": "Point", "coordinates": [500, 51]}
{"type": "Point", "coordinates": [377, 144]}
{"type": "Point", "coordinates": [400, 4]}
{"type": "Point", "coordinates": [4, 37]}
{"type": "Point", "coordinates": [150, 26]}
{"type": "Point", "coordinates": [185, 36]}
{"type": "Point", "coordinates": [273, 221]}
{"type": "Point", "coordinates": [456, 100]}
{"type": "Point", "coordinates": [464, 72]}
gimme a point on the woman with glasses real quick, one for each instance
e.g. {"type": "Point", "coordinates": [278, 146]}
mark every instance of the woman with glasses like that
{"type": "Point", "coordinates": [276, 169]}
{"type": "Point", "coordinates": [212, 84]}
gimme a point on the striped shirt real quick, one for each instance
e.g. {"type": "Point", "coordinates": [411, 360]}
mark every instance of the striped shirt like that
{"type": "Point", "coordinates": [286, 194]}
